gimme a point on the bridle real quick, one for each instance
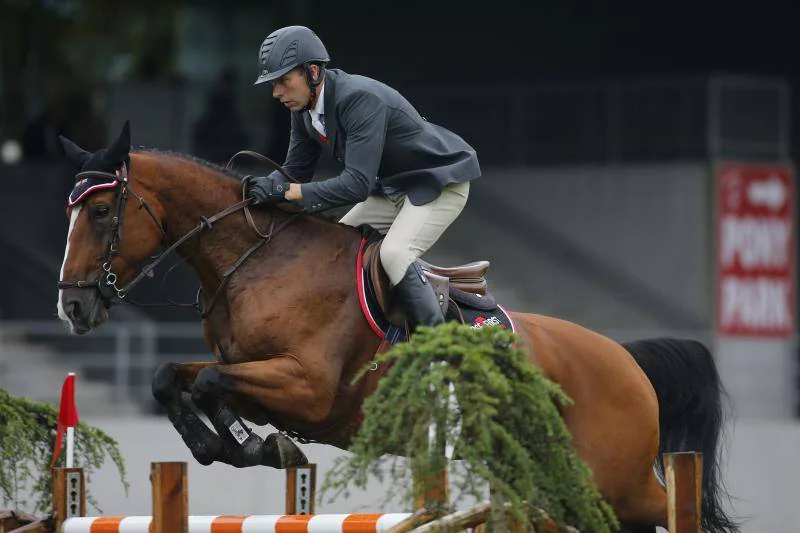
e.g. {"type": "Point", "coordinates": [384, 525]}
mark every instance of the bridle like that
{"type": "Point", "coordinates": [106, 282]}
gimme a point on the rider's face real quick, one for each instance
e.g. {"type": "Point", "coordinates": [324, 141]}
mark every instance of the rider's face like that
{"type": "Point", "coordinates": [292, 88]}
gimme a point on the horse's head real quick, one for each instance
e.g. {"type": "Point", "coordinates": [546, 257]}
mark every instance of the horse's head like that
{"type": "Point", "coordinates": [108, 236]}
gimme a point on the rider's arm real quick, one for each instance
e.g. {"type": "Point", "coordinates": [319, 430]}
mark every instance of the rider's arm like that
{"type": "Point", "coordinates": [364, 117]}
{"type": "Point", "coordinates": [303, 153]}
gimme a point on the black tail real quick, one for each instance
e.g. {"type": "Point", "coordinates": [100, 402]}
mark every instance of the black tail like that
{"type": "Point", "coordinates": [691, 413]}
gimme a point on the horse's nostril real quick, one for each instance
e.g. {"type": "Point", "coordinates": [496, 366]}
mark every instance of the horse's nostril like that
{"type": "Point", "coordinates": [73, 309]}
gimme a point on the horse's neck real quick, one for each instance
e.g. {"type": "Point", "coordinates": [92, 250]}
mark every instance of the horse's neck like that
{"type": "Point", "coordinates": [298, 239]}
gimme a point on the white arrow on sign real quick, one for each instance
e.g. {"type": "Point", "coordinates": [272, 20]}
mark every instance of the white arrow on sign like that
{"type": "Point", "coordinates": [770, 193]}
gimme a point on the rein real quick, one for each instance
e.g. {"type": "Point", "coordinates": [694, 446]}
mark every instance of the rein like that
{"type": "Point", "coordinates": [106, 282]}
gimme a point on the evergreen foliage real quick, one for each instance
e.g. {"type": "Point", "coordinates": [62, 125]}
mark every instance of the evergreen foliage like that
{"type": "Point", "coordinates": [506, 428]}
{"type": "Point", "coordinates": [27, 436]}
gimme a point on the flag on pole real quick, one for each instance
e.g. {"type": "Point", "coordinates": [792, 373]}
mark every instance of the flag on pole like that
{"type": "Point", "coordinates": [67, 420]}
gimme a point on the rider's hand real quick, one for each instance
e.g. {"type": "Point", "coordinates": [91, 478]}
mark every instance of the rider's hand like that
{"type": "Point", "coordinates": [266, 189]}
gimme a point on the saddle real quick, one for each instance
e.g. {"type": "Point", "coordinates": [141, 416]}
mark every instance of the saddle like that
{"type": "Point", "coordinates": [463, 284]}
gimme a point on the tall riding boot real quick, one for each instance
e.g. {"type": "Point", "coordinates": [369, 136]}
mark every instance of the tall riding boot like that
{"type": "Point", "coordinates": [418, 299]}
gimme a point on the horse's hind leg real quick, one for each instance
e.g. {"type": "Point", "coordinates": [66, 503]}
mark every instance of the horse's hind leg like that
{"type": "Point", "coordinates": [645, 508]}
{"type": "Point", "coordinates": [243, 447]}
{"type": "Point", "coordinates": [170, 380]}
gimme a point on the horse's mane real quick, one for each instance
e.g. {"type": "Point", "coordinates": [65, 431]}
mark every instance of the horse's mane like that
{"type": "Point", "coordinates": [229, 172]}
{"type": "Point", "coordinates": [194, 159]}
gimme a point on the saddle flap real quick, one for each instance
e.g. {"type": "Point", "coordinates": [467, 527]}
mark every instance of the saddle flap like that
{"type": "Point", "coordinates": [464, 298]}
{"type": "Point", "coordinates": [465, 284]}
{"type": "Point", "coordinates": [441, 286]}
{"type": "Point", "coordinates": [484, 302]}
{"type": "Point", "coordinates": [380, 281]}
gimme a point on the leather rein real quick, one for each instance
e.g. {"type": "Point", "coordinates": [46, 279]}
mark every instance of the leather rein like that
{"type": "Point", "coordinates": [106, 282]}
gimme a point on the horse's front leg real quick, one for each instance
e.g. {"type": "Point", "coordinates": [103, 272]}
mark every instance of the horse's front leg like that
{"type": "Point", "coordinates": [170, 380]}
{"type": "Point", "coordinates": [276, 384]}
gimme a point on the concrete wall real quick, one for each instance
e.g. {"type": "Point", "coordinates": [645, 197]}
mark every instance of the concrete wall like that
{"type": "Point", "coordinates": [762, 473]}
{"type": "Point", "coordinates": [611, 246]}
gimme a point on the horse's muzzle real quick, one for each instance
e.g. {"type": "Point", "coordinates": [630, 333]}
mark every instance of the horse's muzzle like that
{"type": "Point", "coordinates": [84, 309]}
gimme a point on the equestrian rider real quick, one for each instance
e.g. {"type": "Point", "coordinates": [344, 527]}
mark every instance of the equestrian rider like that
{"type": "Point", "coordinates": [407, 177]}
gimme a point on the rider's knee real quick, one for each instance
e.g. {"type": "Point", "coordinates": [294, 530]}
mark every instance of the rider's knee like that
{"type": "Point", "coordinates": [395, 258]}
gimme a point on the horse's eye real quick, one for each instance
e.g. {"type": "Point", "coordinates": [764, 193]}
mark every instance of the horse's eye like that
{"type": "Point", "coordinates": [99, 211]}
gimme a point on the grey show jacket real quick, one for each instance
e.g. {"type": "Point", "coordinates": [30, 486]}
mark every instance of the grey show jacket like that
{"type": "Point", "coordinates": [382, 140]}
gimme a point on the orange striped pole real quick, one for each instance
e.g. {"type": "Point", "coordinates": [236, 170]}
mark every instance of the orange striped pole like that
{"type": "Point", "coordinates": [333, 523]}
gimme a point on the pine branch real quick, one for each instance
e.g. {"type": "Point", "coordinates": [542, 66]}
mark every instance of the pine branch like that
{"type": "Point", "coordinates": [27, 431]}
{"type": "Point", "coordinates": [511, 435]}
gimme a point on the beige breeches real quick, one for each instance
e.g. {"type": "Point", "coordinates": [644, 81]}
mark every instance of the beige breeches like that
{"type": "Point", "coordinates": [410, 229]}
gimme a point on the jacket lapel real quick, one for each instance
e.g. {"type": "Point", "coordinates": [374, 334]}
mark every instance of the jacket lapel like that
{"type": "Point", "coordinates": [307, 123]}
{"type": "Point", "coordinates": [331, 124]}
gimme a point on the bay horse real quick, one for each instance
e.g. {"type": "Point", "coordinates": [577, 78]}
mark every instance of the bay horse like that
{"type": "Point", "coordinates": [282, 318]}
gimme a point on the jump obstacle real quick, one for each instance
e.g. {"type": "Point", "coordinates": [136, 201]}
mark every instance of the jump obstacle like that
{"type": "Point", "coordinates": [171, 507]}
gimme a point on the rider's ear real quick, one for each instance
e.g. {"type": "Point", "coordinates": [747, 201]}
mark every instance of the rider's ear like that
{"type": "Point", "coordinates": [118, 152]}
{"type": "Point", "coordinates": [75, 153]}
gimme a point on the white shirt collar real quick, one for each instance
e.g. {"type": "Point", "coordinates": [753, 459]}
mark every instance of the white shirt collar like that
{"type": "Point", "coordinates": [319, 107]}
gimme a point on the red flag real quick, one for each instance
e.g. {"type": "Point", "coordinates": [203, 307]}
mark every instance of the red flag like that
{"type": "Point", "coordinates": [67, 414]}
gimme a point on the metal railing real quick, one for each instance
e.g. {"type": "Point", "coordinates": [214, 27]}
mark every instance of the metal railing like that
{"type": "Point", "coordinates": [123, 354]}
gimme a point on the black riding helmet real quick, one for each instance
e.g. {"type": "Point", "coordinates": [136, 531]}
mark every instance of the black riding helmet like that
{"type": "Point", "coordinates": [287, 48]}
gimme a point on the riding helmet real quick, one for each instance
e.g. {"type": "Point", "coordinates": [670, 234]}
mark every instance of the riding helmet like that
{"type": "Point", "coordinates": [287, 48]}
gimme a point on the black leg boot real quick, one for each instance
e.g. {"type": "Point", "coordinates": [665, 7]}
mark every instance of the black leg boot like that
{"type": "Point", "coordinates": [418, 299]}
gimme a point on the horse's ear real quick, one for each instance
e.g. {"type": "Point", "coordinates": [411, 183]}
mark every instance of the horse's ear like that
{"type": "Point", "coordinates": [75, 153]}
{"type": "Point", "coordinates": [119, 150]}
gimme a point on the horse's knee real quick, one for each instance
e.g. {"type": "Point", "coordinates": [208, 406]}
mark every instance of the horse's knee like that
{"type": "Point", "coordinates": [164, 388]}
{"type": "Point", "coordinates": [207, 384]}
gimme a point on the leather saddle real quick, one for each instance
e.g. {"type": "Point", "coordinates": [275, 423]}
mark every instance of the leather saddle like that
{"type": "Point", "coordinates": [462, 284]}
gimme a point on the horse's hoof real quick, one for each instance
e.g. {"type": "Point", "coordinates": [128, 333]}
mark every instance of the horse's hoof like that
{"type": "Point", "coordinates": [288, 454]}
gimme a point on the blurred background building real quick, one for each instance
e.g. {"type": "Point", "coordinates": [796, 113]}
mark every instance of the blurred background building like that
{"type": "Point", "coordinates": [614, 139]}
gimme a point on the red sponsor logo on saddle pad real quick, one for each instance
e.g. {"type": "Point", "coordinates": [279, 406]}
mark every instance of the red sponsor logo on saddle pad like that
{"type": "Point", "coordinates": [482, 321]}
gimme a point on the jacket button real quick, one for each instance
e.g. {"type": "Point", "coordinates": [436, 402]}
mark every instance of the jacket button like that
{"type": "Point", "coordinates": [339, 158]}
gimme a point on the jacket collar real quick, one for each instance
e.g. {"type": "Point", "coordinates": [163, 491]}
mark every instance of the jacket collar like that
{"type": "Point", "coordinates": [329, 107]}
{"type": "Point", "coordinates": [328, 96]}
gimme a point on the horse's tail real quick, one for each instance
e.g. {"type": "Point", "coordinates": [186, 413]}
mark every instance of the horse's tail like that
{"type": "Point", "coordinates": [691, 413]}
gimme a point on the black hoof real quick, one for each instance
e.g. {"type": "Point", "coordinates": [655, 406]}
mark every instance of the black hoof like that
{"type": "Point", "coordinates": [284, 453]}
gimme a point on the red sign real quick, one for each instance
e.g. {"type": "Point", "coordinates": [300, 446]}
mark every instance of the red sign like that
{"type": "Point", "coordinates": [755, 250]}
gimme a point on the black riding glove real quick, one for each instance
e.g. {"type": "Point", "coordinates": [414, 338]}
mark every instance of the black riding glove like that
{"type": "Point", "coordinates": [266, 189]}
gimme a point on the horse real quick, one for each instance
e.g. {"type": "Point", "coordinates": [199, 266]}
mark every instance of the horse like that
{"type": "Point", "coordinates": [288, 334]}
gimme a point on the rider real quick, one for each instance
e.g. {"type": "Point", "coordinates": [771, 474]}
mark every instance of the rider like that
{"type": "Point", "coordinates": [409, 178]}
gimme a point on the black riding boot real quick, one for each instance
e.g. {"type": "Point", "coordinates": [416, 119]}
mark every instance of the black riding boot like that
{"type": "Point", "coordinates": [418, 299]}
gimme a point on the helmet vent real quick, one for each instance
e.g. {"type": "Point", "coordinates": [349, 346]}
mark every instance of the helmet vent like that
{"type": "Point", "coordinates": [266, 46]}
{"type": "Point", "coordinates": [290, 54]}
